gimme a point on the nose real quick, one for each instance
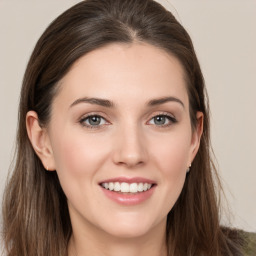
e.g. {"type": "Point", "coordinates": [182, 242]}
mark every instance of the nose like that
{"type": "Point", "coordinates": [130, 147]}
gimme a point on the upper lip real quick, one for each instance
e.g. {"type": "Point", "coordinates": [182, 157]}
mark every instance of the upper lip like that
{"type": "Point", "coordinates": [129, 180]}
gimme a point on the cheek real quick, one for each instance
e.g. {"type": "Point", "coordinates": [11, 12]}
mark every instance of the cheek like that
{"type": "Point", "coordinates": [77, 159]}
{"type": "Point", "coordinates": [76, 153]}
{"type": "Point", "coordinates": [171, 158]}
{"type": "Point", "coordinates": [172, 154]}
{"type": "Point", "coordinates": [172, 164]}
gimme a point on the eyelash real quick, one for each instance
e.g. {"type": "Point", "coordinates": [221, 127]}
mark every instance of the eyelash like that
{"type": "Point", "coordinates": [172, 120]}
{"type": "Point", "coordinates": [84, 119]}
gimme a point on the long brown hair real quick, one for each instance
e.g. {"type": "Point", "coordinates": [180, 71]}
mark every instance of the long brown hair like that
{"type": "Point", "coordinates": [35, 214]}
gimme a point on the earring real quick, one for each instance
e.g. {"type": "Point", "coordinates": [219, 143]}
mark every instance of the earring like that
{"type": "Point", "coordinates": [188, 170]}
{"type": "Point", "coordinates": [47, 168]}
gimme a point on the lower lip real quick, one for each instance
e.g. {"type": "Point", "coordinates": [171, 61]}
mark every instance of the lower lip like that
{"type": "Point", "coordinates": [129, 199]}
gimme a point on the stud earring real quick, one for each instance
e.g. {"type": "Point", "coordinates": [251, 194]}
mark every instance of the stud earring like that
{"type": "Point", "coordinates": [188, 170]}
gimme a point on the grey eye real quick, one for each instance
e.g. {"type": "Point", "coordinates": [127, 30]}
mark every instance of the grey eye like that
{"type": "Point", "coordinates": [93, 121]}
{"type": "Point", "coordinates": [160, 120]}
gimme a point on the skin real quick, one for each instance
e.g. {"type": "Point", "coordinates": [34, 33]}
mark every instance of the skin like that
{"type": "Point", "coordinates": [128, 142]}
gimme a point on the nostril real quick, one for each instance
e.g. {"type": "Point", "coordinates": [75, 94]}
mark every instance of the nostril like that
{"type": "Point", "coordinates": [130, 162]}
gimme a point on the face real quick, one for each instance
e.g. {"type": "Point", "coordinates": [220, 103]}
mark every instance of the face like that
{"type": "Point", "coordinates": [120, 139]}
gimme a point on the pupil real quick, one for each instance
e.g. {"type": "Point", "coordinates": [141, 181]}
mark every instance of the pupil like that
{"type": "Point", "coordinates": [160, 120]}
{"type": "Point", "coordinates": [94, 120]}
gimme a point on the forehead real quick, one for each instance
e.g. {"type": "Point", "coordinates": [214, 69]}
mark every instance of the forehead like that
{"type": "Point", "coordinates": [121, 71]}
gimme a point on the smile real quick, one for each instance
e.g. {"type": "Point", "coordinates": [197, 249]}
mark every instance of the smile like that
{"type": "Point", "coordinates": [125, 187]}
{"type": "Point", "coordinates": [128, 191]}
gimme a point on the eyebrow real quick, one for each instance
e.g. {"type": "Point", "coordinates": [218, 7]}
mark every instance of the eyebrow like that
{"type": "Point", "coordinates": [163, 100]}
{"type": "Point", "coordinates": [94, 101]}
{"type": "Point", "coordinates": [110, 104]}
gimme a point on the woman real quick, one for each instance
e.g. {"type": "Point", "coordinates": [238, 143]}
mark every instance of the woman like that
{"type": "Point", "coordinates": [113, 152]}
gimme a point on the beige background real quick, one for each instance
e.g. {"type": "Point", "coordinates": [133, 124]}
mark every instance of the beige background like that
{"type": "Point", "coordinates": [224, 35]}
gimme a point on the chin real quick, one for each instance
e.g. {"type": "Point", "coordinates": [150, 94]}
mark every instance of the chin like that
{"type": "Point", "coordinates": [132, 227]}
{"type": "Point", "coordinates": [128, 233]}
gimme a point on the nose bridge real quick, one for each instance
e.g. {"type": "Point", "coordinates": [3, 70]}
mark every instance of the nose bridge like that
{"type": "Point", "coordinates": [131, 146]}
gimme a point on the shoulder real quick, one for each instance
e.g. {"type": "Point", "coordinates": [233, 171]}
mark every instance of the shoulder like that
{"type": "Point", "coordinates": [245, 240]}
{"type": "Point", "coordinates": [249, 247]}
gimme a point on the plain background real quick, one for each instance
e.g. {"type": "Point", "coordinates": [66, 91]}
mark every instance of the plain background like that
{"type": "Point", "coordinates": [224, 36]}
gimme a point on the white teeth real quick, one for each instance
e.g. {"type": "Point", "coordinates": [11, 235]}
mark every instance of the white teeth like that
{"type": "Point", "coordinates": [140, 187]}
{"type": "Point", "coordinates": [105, 185]}
{"type": "Point", "coordinates": [133, 188]}
{"type": "Point", "coordinates": [117, 186]}
{"type": "Point", "coordinates": [125, 187]}
{"type": "Point", "coordinates": [111, 186]}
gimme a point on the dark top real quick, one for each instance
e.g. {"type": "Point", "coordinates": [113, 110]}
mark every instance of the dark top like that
{"type": "Point", "coordinates": [250, 243]}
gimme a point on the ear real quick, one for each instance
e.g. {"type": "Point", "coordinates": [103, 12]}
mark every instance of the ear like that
{"type": "Point", "coordinates": [40, 141]}
{"type": "Point", "coordinates": [196, 136]}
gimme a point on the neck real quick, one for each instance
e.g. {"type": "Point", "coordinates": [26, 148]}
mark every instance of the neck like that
{"type": "Point", "coordinates": [100, 243]}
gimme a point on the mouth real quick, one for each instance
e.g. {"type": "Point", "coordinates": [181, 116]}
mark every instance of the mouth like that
{"type": "Point", "coordinates": [128, 191]}
{"type": "Point", "coordinates": [127, 188]}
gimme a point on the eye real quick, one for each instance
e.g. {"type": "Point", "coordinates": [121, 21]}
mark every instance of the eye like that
{"type": "Point", "coordinates": [93, 121]}
{"type": "Point", "coordinates": [162, 120]}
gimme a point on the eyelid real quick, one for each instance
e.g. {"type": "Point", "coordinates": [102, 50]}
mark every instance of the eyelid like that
{"type": "Point", "coordinates": [171, 117]}
{"type": "Point", "coordinates": [82, 119]}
